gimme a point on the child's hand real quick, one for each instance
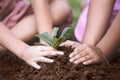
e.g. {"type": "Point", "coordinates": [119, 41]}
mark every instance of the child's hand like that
{"type": "Point", "coordinates": [68, 43]}
{"type": "Point", "coordinates": [35, 54]}
{"type": "Point", "coordinates": [85, 54]}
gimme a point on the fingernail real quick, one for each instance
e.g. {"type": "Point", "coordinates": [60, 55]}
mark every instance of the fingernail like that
{"type": "Point", "coordinates": [71, 60]}
{"type": "Point", "coordinates": [62, 53]}
{"type": "Point", "coordinates": [51, 61]}
{"type": "Point", "coordinates": [61, 44]}
{"type": "Point", "coordinates": [75, 62]}
{"type": "Point", "coordinates": [38, 67]}
{"type": "Point", "coordinates": [70, 55]}
{"type": "Point", "coordinates": [84, 63]}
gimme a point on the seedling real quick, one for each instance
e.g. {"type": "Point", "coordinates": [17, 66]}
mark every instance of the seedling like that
{"type": "Point", "coordinates": [55, 41]}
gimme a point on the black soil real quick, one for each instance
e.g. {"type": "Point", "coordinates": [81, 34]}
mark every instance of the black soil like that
{"type": "Point", "coordinates": [12, 68]}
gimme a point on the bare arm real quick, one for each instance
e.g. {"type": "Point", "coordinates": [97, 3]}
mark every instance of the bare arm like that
{"type": "Point", "coordinates": [98, 18]}
{"type": "Point", "coordinates": [10, 42]}
{"type": "Point", "coordinates": [30, 54]}
{"type": "Point", "coordinates": [112, 38]}
{"type": "Point", "coordinates": [42, 15]}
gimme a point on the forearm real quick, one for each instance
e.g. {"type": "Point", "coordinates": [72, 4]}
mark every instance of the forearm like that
{"type": "Point", "coordinates": [112, 38]}
{"type": "Point", "coordinates": [98, 18]}
{"type": "Point", "coordinates": [42, 15]}
{"type": "Point", "coordinates": [10, 42]}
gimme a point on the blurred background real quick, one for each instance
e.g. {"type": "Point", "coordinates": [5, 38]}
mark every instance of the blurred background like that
{"type": "Point", "coordinates": [75, 4]}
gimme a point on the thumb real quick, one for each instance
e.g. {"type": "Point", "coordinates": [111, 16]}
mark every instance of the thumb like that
{"type": "Point", "coordinates": [35, 65]}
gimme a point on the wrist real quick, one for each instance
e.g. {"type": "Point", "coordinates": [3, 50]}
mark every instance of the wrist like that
{"type": "Point", "coordinates": [89, 42]}
{"type": "Point", "coordinates": [19, 49]}
{"type": "Point", "coordinates": [102, 56]}
{"type": "Point", "coordinates": [21, 54]}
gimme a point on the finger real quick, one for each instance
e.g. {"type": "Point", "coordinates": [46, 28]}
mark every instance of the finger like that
{"type": "Point", "coordinates": [91, 61]}
{"type": "Point", "coordinates": [83, 59]}
{"type": "Point", "coordinates": [76, 45]}
{"type": "Point", "coordinates": [51, 53]}
{"type": "Point", "coordinates": [78, 56]}
{"type": "Point", "coordinates": [66, 43]}
{"type": "Point", "coordinates": [43, 59]}
{"type": "Point", "coordinates": [62, 44]}
{"type": "Point", "coordinates": [46, 48]}
{"type": "Point", "coordinates": [35, 65]}
{"type": "Point", "coordinates": [77, 51]}
{"type": "Point", "coordinates": [54, 53]}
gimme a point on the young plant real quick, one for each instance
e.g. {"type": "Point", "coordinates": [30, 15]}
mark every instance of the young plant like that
{"type": "Point", "coordinates": [55, 41]}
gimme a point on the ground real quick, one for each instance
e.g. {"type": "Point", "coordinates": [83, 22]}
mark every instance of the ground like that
{"type": "Point", "coordinates": [12, 68]}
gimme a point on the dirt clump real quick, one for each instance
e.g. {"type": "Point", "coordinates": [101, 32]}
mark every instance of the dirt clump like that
{"type": "Point", "coordinates": [12, 68]}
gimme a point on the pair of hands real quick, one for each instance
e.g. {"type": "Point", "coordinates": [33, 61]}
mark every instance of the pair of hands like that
{"type": "Point", "coordinates": [83, 53]}
{"type": "Point", "coordinates": [34, 54]}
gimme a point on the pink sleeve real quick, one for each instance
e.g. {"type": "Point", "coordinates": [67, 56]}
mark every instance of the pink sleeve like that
{"type": "Point", "coordinates": [81, 24]}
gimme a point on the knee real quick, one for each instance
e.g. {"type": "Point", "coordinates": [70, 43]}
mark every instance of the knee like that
{"type": "Point", "coordinates": [61, 12]}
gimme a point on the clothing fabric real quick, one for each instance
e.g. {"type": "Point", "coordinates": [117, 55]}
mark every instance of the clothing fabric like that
{"type": "Point", "coordinates": [11, 11]}
{"type": "Point", "coordinates": [81, 25]}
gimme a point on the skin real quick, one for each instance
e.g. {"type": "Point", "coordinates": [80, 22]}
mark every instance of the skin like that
{"type": "Point", "coordinates": [15, 38]}
{"type": "Point", "coordinates": [30, 54]}
{"type": "Point", "coordinates": [95, 36]}
{"type": "Point", "coordinates": [107, 45]}
{"type": "Point", "coordinates": [98, 18]}
{"type": "Point", "coordinates": [46, 21]}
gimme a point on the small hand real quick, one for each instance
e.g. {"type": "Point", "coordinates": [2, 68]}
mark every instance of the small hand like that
{"type": "Point", "coordinates": [85, 54]}
{"type": "Point", "coordinates": [35, 54]}
{"type": "Point", "coordinates": [68, 43]}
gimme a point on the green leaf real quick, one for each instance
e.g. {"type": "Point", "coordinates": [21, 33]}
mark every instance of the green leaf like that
{"type": "Point", "coordinates": [57, 44]}
{"type": "Point", "coordinates": [66, 32]}
{"type": "Point", "coordinates": [54, 32]}
{"type": "Point", "coordinates": [55, 40]}
{"type": "Point", "coordinates": [62, 39]}
{"type": "Point", "coordinates": [45, 37]}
